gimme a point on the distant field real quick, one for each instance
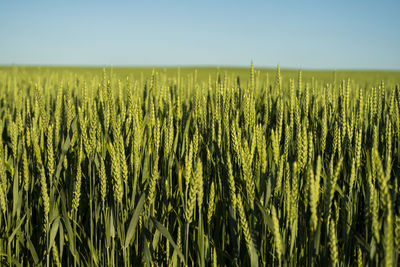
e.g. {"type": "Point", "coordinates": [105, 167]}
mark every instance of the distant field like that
{"type": "Point", "coordinates": [199, 167]}
{"type": "Point", "coordinates": [363, 77]}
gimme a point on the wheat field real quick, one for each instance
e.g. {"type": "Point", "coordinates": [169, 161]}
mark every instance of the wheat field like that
{"type": "Point", "coordinates": [207, 167]}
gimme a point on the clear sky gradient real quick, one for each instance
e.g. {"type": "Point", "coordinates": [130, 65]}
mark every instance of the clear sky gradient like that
{"type": "Point", "coordinates": [297, 34]}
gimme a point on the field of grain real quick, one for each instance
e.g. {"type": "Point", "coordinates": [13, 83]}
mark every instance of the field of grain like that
{"type": "Point", "coordinates": [199, 167]}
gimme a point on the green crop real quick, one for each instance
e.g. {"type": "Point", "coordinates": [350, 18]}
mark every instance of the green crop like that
{"type": "Point", "coordinates": [206, 167]}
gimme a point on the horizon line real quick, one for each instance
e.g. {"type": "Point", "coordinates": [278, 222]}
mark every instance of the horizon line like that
{"type": "Point", "coordinates": [203, 66]}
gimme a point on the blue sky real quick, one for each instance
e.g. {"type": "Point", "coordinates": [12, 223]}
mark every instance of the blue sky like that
{"type": "Point", "coordinates": [299, 34]}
